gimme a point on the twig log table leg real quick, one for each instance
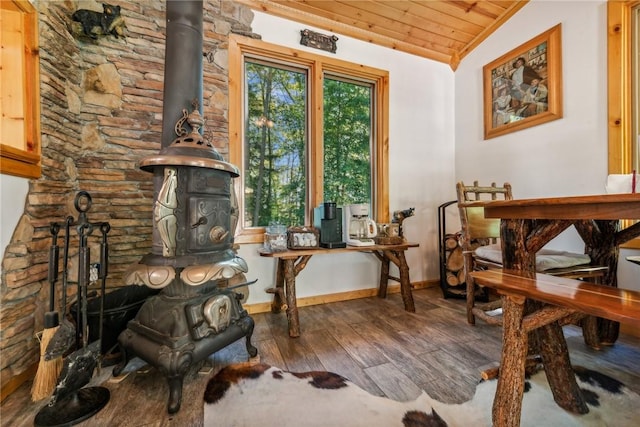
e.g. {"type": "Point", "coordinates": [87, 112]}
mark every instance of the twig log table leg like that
{"type": "Point", "coordinates": [289, 268]}
{"type": "Point", "coordinates": [384, 274]}
{"type": "Point", "coordinates": [290, 293]}
{"type": "Point", "coordinates": [506, 409]}
{"type": "Point", "coordinates": [405, 283]}
{"type": "Point", "coordinates": [521, 240]}
{"type": "Point", "coordinates": [398, 258]}
{"type": "Point", "coordinates": [278, 304]}
{"type": "Point", "coordinates": [602, 239]}
{"type": "Point", "coordinates": [558, 369]}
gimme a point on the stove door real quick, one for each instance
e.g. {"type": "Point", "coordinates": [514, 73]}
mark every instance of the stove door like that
{"type": "Point", "coordinates": [208, 210]}
{"type": "Point", "coordinates": [210, 221]}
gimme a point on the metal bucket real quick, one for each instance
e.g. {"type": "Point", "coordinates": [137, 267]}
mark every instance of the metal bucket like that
{"type": "Point", "coordinates": [120, 306]}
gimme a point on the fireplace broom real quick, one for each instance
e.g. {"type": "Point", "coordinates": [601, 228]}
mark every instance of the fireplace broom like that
{"type": "Point", "coordinates": [48, 370]}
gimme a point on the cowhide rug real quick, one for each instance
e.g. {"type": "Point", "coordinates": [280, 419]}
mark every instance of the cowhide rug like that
{"type": "Point", "coordinates": [263, 396]}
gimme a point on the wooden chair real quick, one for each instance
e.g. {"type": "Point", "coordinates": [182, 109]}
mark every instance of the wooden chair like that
{"type": "Point", "coordinates": [479, 231]}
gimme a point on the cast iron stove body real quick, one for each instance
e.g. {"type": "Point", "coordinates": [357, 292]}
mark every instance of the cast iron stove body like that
{"type": "Point", "coordinates": [195, 215]}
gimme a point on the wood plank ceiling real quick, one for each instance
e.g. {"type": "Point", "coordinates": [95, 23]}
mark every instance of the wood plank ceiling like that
{"type": "Point", "coordinates": [444, 31]}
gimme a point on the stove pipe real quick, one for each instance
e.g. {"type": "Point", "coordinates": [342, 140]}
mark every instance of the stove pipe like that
{"type": "Point", "coordinates": [183, 63]}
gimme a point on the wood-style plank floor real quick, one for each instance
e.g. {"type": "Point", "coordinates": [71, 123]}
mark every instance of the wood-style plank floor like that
{"type": "Point", "coordinates": [371, 341]}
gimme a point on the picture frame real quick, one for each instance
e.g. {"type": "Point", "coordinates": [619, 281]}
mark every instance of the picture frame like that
{"type": "Point", "coordinates": [523, 87]}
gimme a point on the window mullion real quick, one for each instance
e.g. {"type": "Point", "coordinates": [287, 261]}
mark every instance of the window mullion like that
{"type": "Point", "coordinates": [381, 112]}
{"type": "Point", "coordinates": [316, 141]}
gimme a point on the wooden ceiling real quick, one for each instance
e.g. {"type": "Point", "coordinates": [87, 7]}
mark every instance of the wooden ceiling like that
{"type": "Point", "coordinates": [444, 31]}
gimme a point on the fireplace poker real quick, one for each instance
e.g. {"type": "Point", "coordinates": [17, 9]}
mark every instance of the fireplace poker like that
{"type": "Point", "coordinates": [104, 262]}
{"type": "Point", "coordinates": [84, 255]}
{"type": "Point", "coordinates": [65, 335]}
{"type": "Point", "coordinates": [48, 370]}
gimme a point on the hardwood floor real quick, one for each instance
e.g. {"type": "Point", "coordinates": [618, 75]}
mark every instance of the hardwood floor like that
{"type": "Point", "coordinates": [371, 341]}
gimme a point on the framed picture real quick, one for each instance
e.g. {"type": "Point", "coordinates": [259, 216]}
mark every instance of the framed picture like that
{"type": "Point", "coordinates": [523, 87]}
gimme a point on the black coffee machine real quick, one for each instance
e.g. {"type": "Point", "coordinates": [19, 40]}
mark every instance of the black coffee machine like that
{"type": "Point", "coordinates": [328, 219]}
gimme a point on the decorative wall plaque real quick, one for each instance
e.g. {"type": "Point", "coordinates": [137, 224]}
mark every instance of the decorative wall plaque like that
{"type": "Point", "coordinates": [318, 41]}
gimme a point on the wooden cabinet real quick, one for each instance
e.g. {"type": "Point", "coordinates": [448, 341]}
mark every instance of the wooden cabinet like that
{"type": "Point", "coordinates": [19, 90]}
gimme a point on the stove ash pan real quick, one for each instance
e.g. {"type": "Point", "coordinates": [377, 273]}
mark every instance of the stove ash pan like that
{"type": "Point", "coordinates": [200, 317]}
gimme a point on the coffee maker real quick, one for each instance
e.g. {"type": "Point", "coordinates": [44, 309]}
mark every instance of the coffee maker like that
{"type": "Point", "coordinates": [359, 228]}
{"type": "Point", "coordinates": [328, 219]}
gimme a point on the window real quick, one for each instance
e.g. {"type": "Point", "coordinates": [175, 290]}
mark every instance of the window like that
{"type": "Point", "coordinates": [274, 166]}
{"type": "Point", "coordinates": [19, 90]}
{"type": "Point", "coordinates": [623, 81]}
{"type": "Point", "coordinates": [347, 115]}
{"type": "Point", "coordinates": [305, 129]}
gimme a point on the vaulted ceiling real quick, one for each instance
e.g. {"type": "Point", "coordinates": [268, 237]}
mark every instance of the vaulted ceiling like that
{"type": "Point", "coordinates": [444, 31]}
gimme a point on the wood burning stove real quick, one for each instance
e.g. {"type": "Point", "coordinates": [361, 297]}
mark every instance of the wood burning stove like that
{"type": "Point", "coordinates": [194, 218]}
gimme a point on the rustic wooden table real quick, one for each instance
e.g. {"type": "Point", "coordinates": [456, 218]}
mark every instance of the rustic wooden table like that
{"type": "Point", "coordinates": [528, 225]}
{"type": "Point", "coordinates": [291, 262]}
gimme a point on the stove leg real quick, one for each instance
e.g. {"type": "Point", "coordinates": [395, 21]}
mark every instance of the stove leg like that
{"type": "Point", "coordinates": [175, 394]}
{"type": "Point", "coordinates": [250, 348]}
{"type": "Point", "coordinates": [117, 370]}
{"type": "Point", "coordinates": [247, 324]}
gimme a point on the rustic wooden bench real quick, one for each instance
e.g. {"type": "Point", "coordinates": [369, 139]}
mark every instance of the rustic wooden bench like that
{"type": "Point", "coordinates": [537, 305]}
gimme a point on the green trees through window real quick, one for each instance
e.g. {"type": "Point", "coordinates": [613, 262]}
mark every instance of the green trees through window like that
{"type": "Point", "coordinates": [347, 142]}
{"type": "Point", "coordinates": [275, 140]}
{"type": "Point", "coordinates": [277, 143]}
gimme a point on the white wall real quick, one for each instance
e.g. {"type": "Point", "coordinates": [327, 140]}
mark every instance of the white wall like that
{"type": "Point", "coordinates": [420, 165]}
{"type": "Point", "coordinates": [559, 158]}
{"type": "Point", "coordinates": [13, 193]}
{"type": "Point", "coordinates": [562, 157]}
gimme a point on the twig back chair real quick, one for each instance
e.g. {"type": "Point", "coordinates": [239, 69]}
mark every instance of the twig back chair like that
{"type": "Point", "coordinates": [477, 231]}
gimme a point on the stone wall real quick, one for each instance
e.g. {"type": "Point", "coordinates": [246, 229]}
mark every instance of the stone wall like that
{"type": "Point", "coordinates": [101, 112]}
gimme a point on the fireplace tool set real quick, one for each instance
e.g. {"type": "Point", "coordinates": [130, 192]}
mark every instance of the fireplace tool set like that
{"type": "Point", "coordinates": [71, 402]}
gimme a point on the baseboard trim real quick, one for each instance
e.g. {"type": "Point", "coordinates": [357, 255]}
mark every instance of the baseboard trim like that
{"type": "Point", "coordinates": [265, 307]}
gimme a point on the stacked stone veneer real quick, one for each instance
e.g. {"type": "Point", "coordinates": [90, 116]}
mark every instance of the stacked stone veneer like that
{"type": "Point", "coordinates": [101, 113]}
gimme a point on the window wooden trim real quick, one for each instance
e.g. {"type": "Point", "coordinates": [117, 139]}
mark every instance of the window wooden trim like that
{"type": "Point", "coordinates": [620, 85]}
{"type": "Point", "coordinates": [318, 65]}
{"type": "Point", "coordinates": [22, 158]}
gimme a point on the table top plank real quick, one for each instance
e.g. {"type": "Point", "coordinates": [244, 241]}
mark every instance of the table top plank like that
{"type": "Point", "coordinates": [603, 206]}
{"type": "Point", "coordinates": [294, 253]}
